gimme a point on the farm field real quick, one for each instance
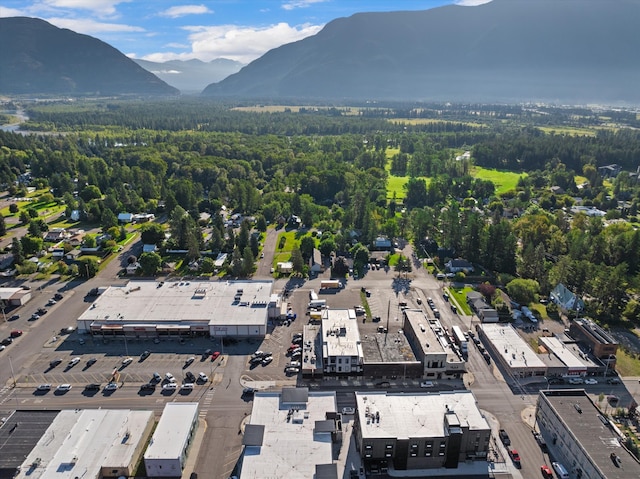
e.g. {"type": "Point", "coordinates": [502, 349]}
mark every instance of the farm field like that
{"type": "Point", "coordinates": [504, 180]}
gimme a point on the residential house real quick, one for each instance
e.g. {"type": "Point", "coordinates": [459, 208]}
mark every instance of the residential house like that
{"type": "Point", "coordinates": [132, 268]}
{"type": "Point", "coordinates": [609, 171]}
{"type": "Point", "coordinates": [125, 217]}
{"type": "Point", "coordinates": [76, 237]}
{"type": "Point", "coordinates": [54, 235]}
{"type": "Point", "coordinates": [149, 248]}
{"type": "Point", "coordinates": [565, 299]}
{"type": "Point", "coordinates": [382, 243]}
{"type": "Point", "coordinates": [315, 262]}
{"type": "Point", "coordinates": [459, 266]}
{"type": "Point", "coordinates": [557, 190]}
{"type": "Point", "coordinates": [285, 267]}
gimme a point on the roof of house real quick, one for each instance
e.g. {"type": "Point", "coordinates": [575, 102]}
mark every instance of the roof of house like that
{"type": "Point", "coordinates": [565, 298]}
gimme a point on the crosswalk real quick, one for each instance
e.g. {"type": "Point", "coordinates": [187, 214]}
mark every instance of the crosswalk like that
{"type": "Point", "coordinates": [206, 401]}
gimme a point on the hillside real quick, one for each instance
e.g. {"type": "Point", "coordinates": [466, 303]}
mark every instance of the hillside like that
{"type": "Point", "coordinates": [39, 58]}
{"type": "Point", "coordinates": [504, 51]}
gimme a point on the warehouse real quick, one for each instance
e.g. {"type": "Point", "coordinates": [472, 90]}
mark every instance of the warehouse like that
{"type": "Point", "coordinates": [150, 309]}
{"type": "Point", "coordinates": [169, 446]}
{"type": "Point", "coordinates": [89, 443]}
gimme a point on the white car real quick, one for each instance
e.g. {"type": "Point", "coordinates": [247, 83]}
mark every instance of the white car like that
{"type": "Point", "coordinates": [203, 377]}
{"type": "Point", "coordinates": [169, 377]}
{"type": "Point", "coordinates": [591, 381]}
{"type": "Point", "coordinates": [44, 387]}
{"type": "Point", "coordinates": [576, 381]}
{"type": "Point", "coordinates": [187, 386]}
{"type": "Point", "coordinates": [294, 364]}
{"type": "Point", "coordinates": [74, 361]}
{"type": "Point", "coordinates": [63, 387]}
{"type": "Point", "coordinates": [127, 361]}
{"type": "Point", "coordinates": [189, 360]}
{"type": "Point", "coordinates": [348, 410]}
{"type": "Point", "coordinates": [426, 384]}
{"type": "Point", "coordinates": [111, 387]}
{"type": "Point", "coordinates": [170, 387]}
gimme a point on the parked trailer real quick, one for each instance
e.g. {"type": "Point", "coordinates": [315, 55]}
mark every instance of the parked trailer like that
{"type": "Point", "coordinates": [313, 296]}
{"type": "Point", "coordinates": [318, 304]}
{"type": "Point", "coordinates": [459, 338]}
{"type": "Point", "coordinates": [330, 284]}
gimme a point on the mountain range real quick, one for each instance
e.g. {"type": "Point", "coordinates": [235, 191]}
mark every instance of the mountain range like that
{"type": "Point", "coordinates": [39, 58]}
{"type": "Point", "coordinates": [191, 76]}
{"type": "Point", "coordinates": [566, 51]}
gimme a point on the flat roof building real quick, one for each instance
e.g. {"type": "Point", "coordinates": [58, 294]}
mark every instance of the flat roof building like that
{"type": "Point", "coordinates": [576, 362]}
{"type": "Point", "coordinates": [341, 346]}
{"type": "Point", "coordinates": [89, 443]}
{"type": "Point", "coordinates": [601, 344]}
{"type": "Point", "coordinates": [581, 438]}
{"type": "Point", "coordinates": [420, 431]}
{"type": "Point", "coordinates": [169, 446]}
{"type": "Point", "coordinates": [290, 434]}
{"type": "Point", "coordinates": [431, 345]}
{"type": "Point", "coordinates": [149, 309]}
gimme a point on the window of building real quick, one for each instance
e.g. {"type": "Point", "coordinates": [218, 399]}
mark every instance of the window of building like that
{"type": "Point", "coordinates": [368, 446]}
{"type": "Point", "coordinates": [339, 360]}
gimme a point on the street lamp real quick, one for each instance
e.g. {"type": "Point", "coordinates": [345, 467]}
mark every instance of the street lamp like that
{"type": "Point", "coordinates": [13, 376]}
{"type": "Point", "coordinates": [607, 365]}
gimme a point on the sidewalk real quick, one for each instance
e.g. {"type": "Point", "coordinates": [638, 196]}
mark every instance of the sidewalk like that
{"type": "Point", "coordinates": [194, 451]}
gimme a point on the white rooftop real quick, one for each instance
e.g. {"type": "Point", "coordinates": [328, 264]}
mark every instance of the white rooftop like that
{"type": "Point", "coordinates": [404, 416]}
{"type": "Point", "coordinates": [183, 301]}
{"type": "Point", "coordinates": [570, 354]}
{"type": "Point", "coordinates": [290, 447]}
{"type": "Point", "coordinates": [428, 332]}
{"type": "Point", "coordinates": [80, 442]}
{"type": "Point", "coordinates": [514, 350]}
{"type": "Point", "coordinates": [7, 293]}
{"type": "Point", "coordinates": [172, 431]}
{"type": "Point", "coordinates": [340, 334]}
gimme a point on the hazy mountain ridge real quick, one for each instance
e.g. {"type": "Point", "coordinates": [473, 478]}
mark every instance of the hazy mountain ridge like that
{"type": "Point", "coordinates": [507, 50]}
{"type": "Point", "coordinates": [191, 75]}
{"type": "Point", "coordinates": [39, 58]}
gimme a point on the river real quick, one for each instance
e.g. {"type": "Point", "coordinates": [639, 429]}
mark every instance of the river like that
{"type": "Point", "coordinates": [14, 126]}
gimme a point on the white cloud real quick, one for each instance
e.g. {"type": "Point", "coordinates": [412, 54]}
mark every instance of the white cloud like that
{"type": "Point", "coordinates": [243, 44]}
{"type": "Point", "coordinates": [10, 12]}
{"type": "Point", "coordinates": [91, 27]}
{"type": "Point", "coordinates": [471, 3]}
{"type": "Point", "coordinates": [99, 7]}
{"type": "Point", "coordinates": [182, 10]}
{"type": "Point", "coordinates": [293, 4]}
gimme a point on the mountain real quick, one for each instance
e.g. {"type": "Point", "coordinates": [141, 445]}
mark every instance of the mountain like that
{"type": "Point", "coordinates": [567, 51]}
{"type": "Point", "coordinates": [191, 75]}
{"type": "Point", "coordinates": [38, 58]}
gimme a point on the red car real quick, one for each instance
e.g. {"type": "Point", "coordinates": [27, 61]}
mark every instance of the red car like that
{"type": "Point", "coordinates": [215, 355]}
{"type": "Point", "coordinates": [546, 472]}
{"type": "Point", "coordinates": [515, 457]}
{"type": "Point", "coordinates": [16, 333]}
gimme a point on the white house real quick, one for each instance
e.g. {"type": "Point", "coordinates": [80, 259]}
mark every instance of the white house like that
{"type": "Point", "coordinates": [459, 265]}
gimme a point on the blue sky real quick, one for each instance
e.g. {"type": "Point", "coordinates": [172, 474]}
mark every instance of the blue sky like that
{"type": "Point", "coordinates": [241, 30]}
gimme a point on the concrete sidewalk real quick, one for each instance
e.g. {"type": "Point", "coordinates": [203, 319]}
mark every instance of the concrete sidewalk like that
{"type": "Point", "coordinates": [194, 451]}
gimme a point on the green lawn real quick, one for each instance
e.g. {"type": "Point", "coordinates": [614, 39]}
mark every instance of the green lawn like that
{"type": "Point", "coordinates": [460, 296]}
{"type": "Point", "coordinates": [504, 180]}
{"type": "Point", "coordinates": [627, 365]}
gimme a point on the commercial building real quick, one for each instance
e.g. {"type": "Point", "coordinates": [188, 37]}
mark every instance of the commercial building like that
{"type": "Point", "coordinates": [431, 345]}
{"type": "Point", "coordinates": [169, 446]}
{"type": "Point", "coordinates": [581, 438]}
{"type": "Point", "coordinates": [422, 431]}
{"type": "Point", "coordinates": [89, 443]}
{"type": "Point", "coordinates": [14, 297]}
{"type": "Point", "coordinates": [575, 361]}
{"type": "Point", "coordinates": [149, 309]}
{"type": "Point", "coordinates": [291, 434]}
{"type": "Point", "coordinates": [341, 346]}
{"type": "Point", "coordinates": [599, 343]}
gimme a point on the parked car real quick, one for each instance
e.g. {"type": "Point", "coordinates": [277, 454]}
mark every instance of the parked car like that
{"type": "Point", "coordinates": [189, 360]}
{"type": "Point", "coordinates": [91, 362]}
{"type": "Point", "coordinates": [111, 387]}
{"type": "Point", "coordinates": [614, 381]}
{"type": "Point", "coordinates": [556, 381]}
{"type": "Point", "coordinates": [145, 355]}
{"type": "Point", "coordinates": [63, 388]}
{"type": "Point", "coordinates": [73, 362]}
{"type": "Point", "coordinates": [16, 333]}
{"type": "Point", "coordinates": [248, 391]}
{"type": "Point", "coordinates": [591, 381]}
{"type": "Point", "coordinates": [35, 316]}
{"type": "Point", "coordinates": [7, 341]}
{"type": "Point", "coordinates": [156, 377]}
{"type": "Point", "coordinates": [14, 317]}
{"type": "Point", "coordinates": [41, 311]}
{"type": "Point", "coordinates": [215, 355]}
{"type": "Point", "coordinates": [51, 302]}
{"type": "Point", "coordinates": [426, 384]}
{"type": "Point", "coordinates": [292, 370]}
{"type": "Point", "coordinates": [515, 457]}
{"type": "Point", "coordinates": [504, 437]}
{"type": "Point", "coordinates": [58, 296]}
{"type": "Point", "coordinates": [267, 360]}
{"type": "Point", "coordinates": [127, 361]}
{"type": "Point", "coordinates": [576, 381]}
{"type": "Point", "coordinates": [44, 387]}
{"type": "Point", "coordinates": [169, 378]}
{"type": "Point", "coordinates": [53, 363]}
{"type": "Point", "coordinates": [348, 410]}
{"type": "Point", "coordinates": [546, 472]}
{"type": "Point", "coordinates": [293, 364]}
{"type": "Point", "coordinates": [203, 377]}
{"type": "Point", "coordinates": [186, 386]}
{"type": "Point", "coordinates": [92, 387]}
{"type": "Point", "coordinates": [148, 387]}
{"type": "Point", "coordinates": [190, 377]}
{"type": "Point", "coordinates": [296, 355]}
{"type": "Point", "coordinates": [170, 387]}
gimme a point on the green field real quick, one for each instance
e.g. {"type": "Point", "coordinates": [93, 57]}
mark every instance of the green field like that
{"type": "Point", "coordinates": [460, 296]}
{"type": "Point", "coordinates": [504, 180]}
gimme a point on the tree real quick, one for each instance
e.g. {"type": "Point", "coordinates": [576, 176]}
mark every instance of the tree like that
{"type": "Point", "coordinates": [13, 208]}
{"type": "Point", "coordinates": [242, 241]}
{"type": "Point", "coordinates": [236, 263]}
{"type": "Point", "coordinates": [3, 226]}
{"type": "Point", "coordinates": [307, 245]}
{"type": "Point", "coordinates": [523, 291]}
{"type": "Point", "coordinates": [297, 260]}
{"type": "Point", "coordinates": [247, 262]}
{"type": "Point", "coordinates": [340, 267]}
{"type": "Point", "coordinates": [24, 217]}
{"type": "Point", "coordinates": [90, 241]}
{"type": "Point", "coordinates": [152, 233]}
{"type": "Point", "coordinates": [18, 252]}
{"type": "Point", "coordinates": [327, 246]}
{"type": "Point", "coordinates": [90, 192]}
{"type": "Point", "coordinates": [261, 223]}
{"type": "Point", "coordinates": [207, 265]}
{"type": "Point", "coordinates": [108, 219]}
{"type": "Point", "coordinates": [150, 263]}
{"type": "Point", "coordinates": [31, 244]}
{"type": "Point", "coordinates": [88, 268]}
{"type": "Point", "coordinates": [254, 245]}
{"type": "Point", "coordinates": [416, 193]}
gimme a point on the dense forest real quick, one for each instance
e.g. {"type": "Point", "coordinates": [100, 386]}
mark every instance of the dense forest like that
{"type": "Point", "coordinates": [331, 167]}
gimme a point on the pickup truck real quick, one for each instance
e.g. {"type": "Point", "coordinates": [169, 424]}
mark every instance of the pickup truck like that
{"type": "Point", "coordinates": [504, 437]}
